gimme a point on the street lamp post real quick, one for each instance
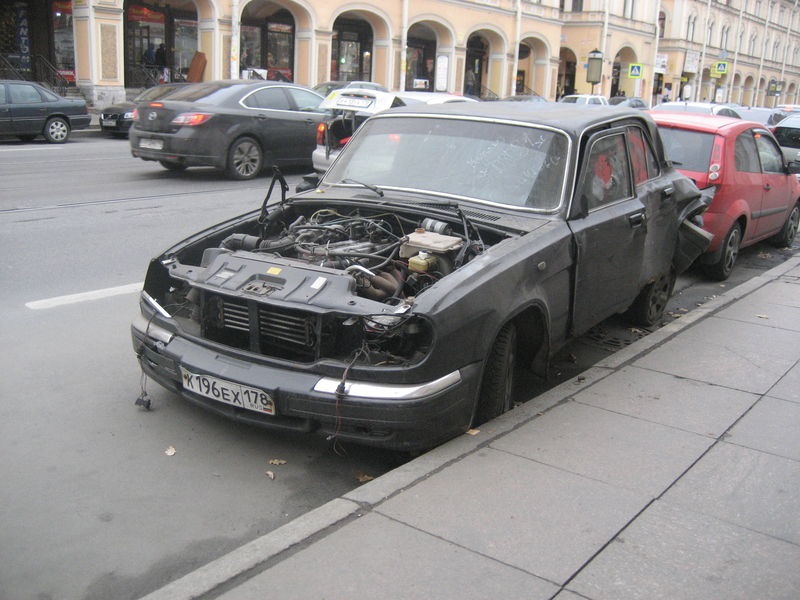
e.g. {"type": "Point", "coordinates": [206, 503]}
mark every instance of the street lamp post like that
{"type": "Point", "coordinates": [594, 67]}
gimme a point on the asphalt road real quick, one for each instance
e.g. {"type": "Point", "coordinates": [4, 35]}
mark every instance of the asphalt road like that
{"type": "Point", "coordinates": [94, 503]}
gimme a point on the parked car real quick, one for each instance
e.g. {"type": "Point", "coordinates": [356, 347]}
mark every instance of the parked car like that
{"type": "Point", "coordinates": [766, 116]}
{"type": "Point", "coordinates": [629, 101]}
{"type": "Point", "coordinates": [583, 99]}
{"type": "Point", "coordinates": [787, 132]}
{"type": "Point", "coordinates": [704, 108]}
{"type": "Point", "coordinates": [327, 87]}
{"type": "Point", "coordinates": [446, 248]}
{"type": "Point", "coordinates": [237, 126]}
{"type": "Point", "coordinates": [28, 110]}
{"type": "Point", "coordinates": [118, 118]}
{"type": "Point", "coordinates": [415, 97]}
{"type": "Point", "coordinates": [755, 193]}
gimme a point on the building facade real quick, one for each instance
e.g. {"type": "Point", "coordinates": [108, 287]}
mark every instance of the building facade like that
{"type": "Point", "coordinates": [745, 51]}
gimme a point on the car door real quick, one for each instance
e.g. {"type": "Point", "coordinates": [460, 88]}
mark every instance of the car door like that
{"type": "Point", "coordinates": [5, 111]}
{"type": "Point", "coordinates": [609, 232]}
{"type": "Point", "coordinates": [744, 184]}
{"type": "Point", "coordinates": [28, 108]}
{"type": "Point", "coordinates": [306, 105]}
{"type": "Point", "coordinates": [274, 123]}
{"type": "Point", "coordinates": [777, 199]}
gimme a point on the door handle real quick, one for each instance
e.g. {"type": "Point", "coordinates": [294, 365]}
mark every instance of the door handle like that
{"type": "Point", "coordinates": [767, 187]}
{"type": "Point", "coordinates": [636, 220]}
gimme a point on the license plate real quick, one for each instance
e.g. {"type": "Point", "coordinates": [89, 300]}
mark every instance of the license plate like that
{"type": "Point", "coordinates": [228, 392]}
{"type": "Point", "coordinates": [151, 144]}
{"type": "Point", "coordinates": [357, 102]}
{"type": "Point", "coordinates": [110, 122]}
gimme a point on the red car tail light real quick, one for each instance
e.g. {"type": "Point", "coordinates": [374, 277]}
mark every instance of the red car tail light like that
{"type": "Point", "coordinates": [715, 165]}
{"type": "Point", "coordinates": [321, 128]}
{"type": "Point", "coordinates": [135, 114]}
{"type": "Point", "coordinates": [191, 119]}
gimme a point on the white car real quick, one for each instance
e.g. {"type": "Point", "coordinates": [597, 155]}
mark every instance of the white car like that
{"type": "Point", "coordinates": [353, 106]}
{"type": "Point", "coordinates": [584, 99]}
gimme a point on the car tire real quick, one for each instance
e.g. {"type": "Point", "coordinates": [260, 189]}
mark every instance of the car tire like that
{"type": "Point", "coordinates": [56, 130]}
{"type": "Point", "coordinates": [722, 269]}
{"type": "Point", "coordinates": [649, 306]}
{"type": "Point", "coordinates": [245, 159]}
{"type": "Point", "coordinates": [172, 166]}
{"type": "Point", "coordinates": [785, 238]}
{"type": "Point", "coordinates": [498, 376]}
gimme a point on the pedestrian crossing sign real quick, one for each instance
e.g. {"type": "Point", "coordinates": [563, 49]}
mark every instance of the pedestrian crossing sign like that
{"type": "Point", "coordinates": [718, 69]}
{"type": "Point", "coordinates": [635, 70]}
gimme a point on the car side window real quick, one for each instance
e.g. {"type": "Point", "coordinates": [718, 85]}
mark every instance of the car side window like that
{"type": "Point", "coordinates": [2, 94]}
{"type": "Point", "coordinates": [746, 154]}
{"type": "Point", "coordinates": [643, 160]}
{"type": "Point", "coordinates": [23, 94]}
{"type": "Point", "coordinates": [304, 100]}
{"type": "Point", "coordinates": [606, 178]}
{"type": "Point", "coordinates": [768, 152]}
{"type": "Point", "coordinates": [270, 97]}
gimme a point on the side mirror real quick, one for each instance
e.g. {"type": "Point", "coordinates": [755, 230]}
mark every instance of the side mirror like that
{"type": "Point", "coordinates": [311, 181]}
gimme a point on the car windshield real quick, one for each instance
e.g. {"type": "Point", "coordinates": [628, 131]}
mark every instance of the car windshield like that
{"type": "Point", "coordinates": [689, 150]}
{"type": "Point", "coordinates": [514, 165]}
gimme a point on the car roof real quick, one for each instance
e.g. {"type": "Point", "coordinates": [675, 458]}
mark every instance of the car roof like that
{"type": "Point", "coordinates": [702, 122]}
{"type": "Point", "coordinates": [571, 118]}
{"type": "Point", "coordinates": [793, 120]}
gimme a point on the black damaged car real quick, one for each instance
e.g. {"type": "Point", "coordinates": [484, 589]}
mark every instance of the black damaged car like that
{"type": "Point", "coordinates": [446, 248]}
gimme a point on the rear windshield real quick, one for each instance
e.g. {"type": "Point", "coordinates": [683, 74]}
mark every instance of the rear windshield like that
{"type": "Point", "coordinates": [688, 150]}
{"type": "Point", "coordinates": [211, 92]}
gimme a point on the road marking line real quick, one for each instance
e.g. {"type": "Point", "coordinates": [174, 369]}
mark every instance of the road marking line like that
{"type": "Point", "coordinates": [85, 296]}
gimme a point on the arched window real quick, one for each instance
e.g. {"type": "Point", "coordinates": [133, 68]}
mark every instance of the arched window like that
{"type": "Point", "coordinates": [723, 37]}
{"type": "Point", "coordinates": [751, 50]}
{"type": "Point", "coordinates": [662, 23]}
{"type": "Point", "coordinates": [690, 28]}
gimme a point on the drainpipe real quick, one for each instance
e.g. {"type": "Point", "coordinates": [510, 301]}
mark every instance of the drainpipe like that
{"type": "Point", "coordinates": [516, 50]}
{"type": "Point", "coordinates": [235, 36]}
{"type": "Point", "coordinates": [763, 52]}
{"type": "Point", "coordinates": [655, 49]}
{"type": "Point", "coordinates": [403, 44]}
{"type": "Point", "coordinates": [703, 54]}
{"type": "Point", "coordinates": [736, 54]}
{"type": "Point", "coordinates": [786, 49]}
{"type": "Point", "coordinates": [606, 12]}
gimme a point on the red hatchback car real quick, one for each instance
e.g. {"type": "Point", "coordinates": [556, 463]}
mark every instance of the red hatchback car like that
{"type": "Point", "coordinates": [756, 193]}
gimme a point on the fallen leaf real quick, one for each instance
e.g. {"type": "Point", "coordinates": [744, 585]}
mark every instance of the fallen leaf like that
{"type": "Point", "coordinates": [363, 477]}
{"type": "Point", "coordinates": [170, 451]}
{"type": "Point", "coordinates": [473, 431]}
{"type": "Point", "coordinates": [762, 316]}
{"type": "Point", "coordinates": [277, 461]}
{"type": "Point", "coordinates": [270, 474]}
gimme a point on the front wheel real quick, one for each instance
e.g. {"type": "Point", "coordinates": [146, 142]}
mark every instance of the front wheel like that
{"type": "Point", "coordinates": [498, 376]}
{"type": "Point", "coordinates": [785, 238]}
{"type": "Point", "coordinates": [649, 306]}
{"type": "Point", "coordinates": [722, 269]}
{"type": "Point", "coordinates": [56, 130]}
{"type": "Point", "coordinates": [245, 159]}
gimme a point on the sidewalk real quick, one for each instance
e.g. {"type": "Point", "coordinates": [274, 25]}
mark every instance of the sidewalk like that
{"type": "Point", "coordinates": [670, 470]}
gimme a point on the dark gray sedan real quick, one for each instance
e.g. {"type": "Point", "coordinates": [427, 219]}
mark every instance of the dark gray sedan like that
{"type": "Point", "coordinates": [28, 110]}
{"type": "Point", "coordinates": [237, 126]}
{"type": "Point", "coordinates": [446, 250]}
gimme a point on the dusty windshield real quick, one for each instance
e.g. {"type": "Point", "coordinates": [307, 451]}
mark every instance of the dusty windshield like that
{"type": "Point", "coordinates": [514, 165]}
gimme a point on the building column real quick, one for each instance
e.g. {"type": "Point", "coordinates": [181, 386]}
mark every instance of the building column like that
{"type": "Point", "coordinates": [99, 33]}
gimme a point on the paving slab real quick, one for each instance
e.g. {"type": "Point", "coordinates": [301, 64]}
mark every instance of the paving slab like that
{"type": "Point", "coordinates": [673, 553]}
{"type": "Point", "coordinates": [673, 401]}
{"type": "Point", "coordinates": [542, 520]}
{"type": "Point", "coordinates": [774, 305]}
{"type": "Point", "coordinates": [752, 360]}
{"type": "Point", "coordinates": [773, 426]}
{"type": "Point", "coordinates": [744, 487]}
{"type": "Point", "coordinates": [788, 388]}
{"type": "Point", "coordinates": [377, 558]}
{"type": "Point", "coordinates": [614, 448]}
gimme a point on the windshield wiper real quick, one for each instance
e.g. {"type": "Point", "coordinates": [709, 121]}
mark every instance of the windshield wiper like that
{"type": "Point", "coordinates": [374, 188]}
